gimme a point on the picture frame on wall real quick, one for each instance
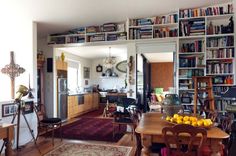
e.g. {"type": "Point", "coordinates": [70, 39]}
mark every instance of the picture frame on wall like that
{"type": "Point", "coordinates": [9, 109]}
{"type": "Point", "coordinates": [86, 72]}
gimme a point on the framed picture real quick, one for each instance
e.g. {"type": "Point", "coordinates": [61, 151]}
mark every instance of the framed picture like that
{"type": "Point", "coordinates": [99, 68]}
{"type": "Point", "coordinates": [29, 107]}
{"type": "Point", "coordinates": [8, 109]}
{"type": "Point", "coordinates": [86, 73]}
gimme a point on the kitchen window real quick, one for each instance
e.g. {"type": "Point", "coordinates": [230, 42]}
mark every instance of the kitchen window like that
{"type": "Point", "coordinates": [74, 75]}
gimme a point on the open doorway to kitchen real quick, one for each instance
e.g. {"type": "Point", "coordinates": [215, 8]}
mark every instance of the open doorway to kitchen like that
{"type": "Point", "coordinates": [156, 72]}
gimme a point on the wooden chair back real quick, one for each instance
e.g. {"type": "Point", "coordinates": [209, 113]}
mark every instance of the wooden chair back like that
{"type": "Point", "coordinates": [226, 122]}
{"type": "Point", "coordinates": [174, 136]}
{"type": "Point", "coordinates": [212, 115]}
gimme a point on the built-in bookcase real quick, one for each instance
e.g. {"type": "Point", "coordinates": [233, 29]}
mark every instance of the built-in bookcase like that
{"type": "Point", "coordinates": [205, 40]}
{"type": "Point", "coordinates": [206, 48]}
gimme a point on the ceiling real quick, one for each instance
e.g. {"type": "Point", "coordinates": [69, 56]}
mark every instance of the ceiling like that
{"type": "Point", "coordinates": [159, 57]}
{"type": "Point", "coordinates": [96, 52]}
{"type": "Point", "coordinates": [55, 16]}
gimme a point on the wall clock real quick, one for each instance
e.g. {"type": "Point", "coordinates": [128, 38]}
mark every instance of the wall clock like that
{"type": "Point", "coordinates": [99, 68]}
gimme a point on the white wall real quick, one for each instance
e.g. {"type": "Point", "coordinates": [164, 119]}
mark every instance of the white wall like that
{"type": "Point", "coordinates": [48, 76]}
{"type": "Point", "coordinates": [18, 34]}
{"type": "Point", "coordinates": [107, 83]}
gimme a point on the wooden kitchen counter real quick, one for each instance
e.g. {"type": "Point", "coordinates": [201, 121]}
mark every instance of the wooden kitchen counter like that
{"type": "Point", "coordinates": [91, 102]}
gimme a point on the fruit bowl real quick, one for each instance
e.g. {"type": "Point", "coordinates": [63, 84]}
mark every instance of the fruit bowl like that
{"type": "Point", "coordinates": [190, 120]}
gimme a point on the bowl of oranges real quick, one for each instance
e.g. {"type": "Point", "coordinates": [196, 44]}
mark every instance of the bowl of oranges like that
{"type": "Point", "coordinates": [189, 120]}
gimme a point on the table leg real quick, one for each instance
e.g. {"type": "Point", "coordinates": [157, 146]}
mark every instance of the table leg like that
{"type": "Point", "coordinates": [146, 143]}
{"type": "Point", "coordinates": [8, 145]}
{"type": "Point", "coordinates": [215, 147]}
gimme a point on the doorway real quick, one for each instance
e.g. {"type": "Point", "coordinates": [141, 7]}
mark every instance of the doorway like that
{"type": "Point", "coordinates": [156, 70]}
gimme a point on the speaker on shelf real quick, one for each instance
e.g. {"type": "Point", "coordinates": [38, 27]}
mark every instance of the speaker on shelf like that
{"type": "Point", "coordinates": [49, 65]}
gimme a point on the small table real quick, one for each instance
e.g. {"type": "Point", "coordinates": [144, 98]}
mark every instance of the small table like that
{"type": "Point", "coordinates": [7, 134]}
{"type": "Point", "coordinates": [151, 125]}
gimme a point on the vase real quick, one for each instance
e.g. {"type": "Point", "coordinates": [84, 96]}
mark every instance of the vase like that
{"type": "Point", "coordinates": [62, 57]}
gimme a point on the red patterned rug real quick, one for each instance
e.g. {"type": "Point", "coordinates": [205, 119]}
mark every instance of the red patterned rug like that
{"type": "Point", "coordinates": [99, 129]}
{"type": "Point", "coordinates": [71, 149]}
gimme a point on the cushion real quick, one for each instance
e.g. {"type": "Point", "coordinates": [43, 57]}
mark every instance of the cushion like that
{"type": "Point", "coordinates": [158, 90]}
{"type": "Point", "coordinates": [51, 120]}
{"type": "Point", "coordinates": [160, 97]}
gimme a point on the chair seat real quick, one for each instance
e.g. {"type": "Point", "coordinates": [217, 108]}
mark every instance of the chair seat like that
{"type": "Point", "coordinates": [51, 120]}
{"type": "Point", "coordinates": [124, 120]}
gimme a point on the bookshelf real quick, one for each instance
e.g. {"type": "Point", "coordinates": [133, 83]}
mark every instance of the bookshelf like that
{"type": "Point", "coordinates": [206, 33]}
{"type": "Point", "coordinates": [163, 26]}
{"type": "Point", "coordinates": [106, 32]}
{"type": "Point", "coordinates": [204, 37]}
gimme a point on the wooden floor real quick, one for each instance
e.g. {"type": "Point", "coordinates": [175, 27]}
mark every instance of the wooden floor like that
{"type": "Point", "coordinates": [44, 145]}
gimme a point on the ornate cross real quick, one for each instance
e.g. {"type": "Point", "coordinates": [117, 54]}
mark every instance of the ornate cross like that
{"type": "Point", "coordinates": [12, 70]}
{"type": "Point", "coordinates": [130, 92]}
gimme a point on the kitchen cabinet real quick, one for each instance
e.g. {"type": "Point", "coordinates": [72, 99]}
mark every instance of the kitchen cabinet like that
{"type": "Point", "coordinates": [91, 102]}
{"type": "Point", "coordinates": [61, 65]}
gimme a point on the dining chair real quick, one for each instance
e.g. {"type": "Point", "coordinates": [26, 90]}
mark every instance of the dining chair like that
{"type": "Point", "coordinates": [124, 117]}
{"type": "Point", "coordinates": [46, 123]}
{"type": "Point", "coordinates": [180, 146]}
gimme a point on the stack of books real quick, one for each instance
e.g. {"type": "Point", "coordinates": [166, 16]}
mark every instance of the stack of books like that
{"type": "Point", "coordinates": [75, 39]}
{"type": "Point", "coordinates": [80, 30]}
{"type": "Point", "coordinates": [117, 36]}
{"type": "Point", "coordinates": [109, 27]}
{"type": "Point", "coordinates": [145, 33]}
{"type": "Point", "coordinates": [140, 22]}
{"type": "Point", "coordinates": [192, 28]}
{"type": "Point", "coordinates": [97, 37]}
{"type": "Point", "coordinates": [187, 61]}
{"type": "Point", "coordinates": [93, 29]}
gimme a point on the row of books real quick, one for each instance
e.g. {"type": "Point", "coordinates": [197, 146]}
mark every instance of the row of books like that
{"type": "Point", "coordinates": [165, 32]}
{"type": "Point", "coordinates": [222, 80]}
{"type": "Point", "coordinates": [191, 61]}
{"type": "Point", "coordinates": [142, 21]}
{"type": "Point", "coordinates": [192, 27]}
{"type": "Point", "coordinates": [107, 27]}
{"type": "Point", "coordinates": [118, 36]}
{"type": "Point", "coordinates": [166, 19]}
{"type": "Point", "coordinates": [196, 46]}
{"type": "Point", "coordinates": [80, 30]}
{"type": "Point", "coordinates": [209, 11]}
{"type": "Point", "coordinates": [75, 39]}
{"type": "Point", "coordinates": [220, 29]}
{"type": "Point", "coordinates": [188, 73]}
{"type": "Point", "coordinates": [95, 38]}
{"type": "Point", "coordinates": [219, 67]}
{"type": "Point", "coordinates": [220, 41]}
{"type": "Point", "coordinates": [220, 53]}
{"type": "Point", "coordinates": [141, 33]}
{"type": "Point", "coordinates": [57, 40]}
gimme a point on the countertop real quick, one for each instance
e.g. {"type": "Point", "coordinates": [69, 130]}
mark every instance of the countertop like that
{"type": "Point", "coordinates": [81, 93]}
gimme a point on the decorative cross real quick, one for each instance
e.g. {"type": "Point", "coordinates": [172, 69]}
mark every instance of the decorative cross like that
{"type": "Point", "coordinates": [130, 92]}
{"type": "Point", "coordinates": [12, 70]}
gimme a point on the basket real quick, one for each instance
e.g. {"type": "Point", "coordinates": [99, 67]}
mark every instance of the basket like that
{"type": "Point", "coordinates": [170, 110]}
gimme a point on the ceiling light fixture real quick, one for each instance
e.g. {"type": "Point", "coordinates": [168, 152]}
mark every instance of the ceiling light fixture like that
{"type": "Point", "coordinates": [109, 61]}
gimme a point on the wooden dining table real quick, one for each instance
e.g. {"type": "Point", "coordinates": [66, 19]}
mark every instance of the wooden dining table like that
{"type": "Point", "coordinates": [151, 125]}
{"type": "Point", "coordinates": [7, 134]}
